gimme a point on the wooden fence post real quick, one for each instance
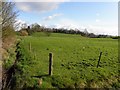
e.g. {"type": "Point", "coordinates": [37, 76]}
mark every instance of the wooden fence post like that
{"type": "Point", "coordinates": [99, 59]}
{"type": "Point", "coordinates": [50, 64]}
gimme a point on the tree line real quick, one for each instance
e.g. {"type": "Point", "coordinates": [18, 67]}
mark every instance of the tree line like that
{"type": "Point", "coordinates": [29, 30]}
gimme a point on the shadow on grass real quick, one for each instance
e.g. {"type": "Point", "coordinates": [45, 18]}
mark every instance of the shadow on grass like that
{"type": "Point", "coordinates": [41, 76]}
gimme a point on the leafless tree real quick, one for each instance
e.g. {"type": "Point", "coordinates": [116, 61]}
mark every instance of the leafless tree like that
{"type": "Point", "coordinates": [8, 14]}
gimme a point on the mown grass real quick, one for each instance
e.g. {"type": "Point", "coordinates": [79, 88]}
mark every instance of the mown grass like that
{"type": "Point", "coordinates": [75, 59]}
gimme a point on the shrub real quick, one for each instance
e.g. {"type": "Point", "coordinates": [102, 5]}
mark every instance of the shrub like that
{"type": "Point", "coordinates": [24, 61]}
{"type": "Point", "coordinates": [23, 33]}
{"type": "Point", "coordinates": [8, 37]}
{"type": "Point", "coordinates": [115, 37]}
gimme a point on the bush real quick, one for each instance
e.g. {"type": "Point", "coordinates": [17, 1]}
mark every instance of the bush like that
{"type": "Point", "coordinates": [115, 37]}
{"type": "Point", "coordinates": [8, 37]}
{"type": "Point", "coordinates": [24, 61]}
{"type": "Point", "coordinates": [23, 33]}
{"type": "Point", "coordinates": [9, 31]}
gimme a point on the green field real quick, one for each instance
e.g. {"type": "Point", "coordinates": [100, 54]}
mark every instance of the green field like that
{"type": "Point", "coordinates": [74, 61]}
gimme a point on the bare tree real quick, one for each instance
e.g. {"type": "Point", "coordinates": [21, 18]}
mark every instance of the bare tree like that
{"type": "Point", "coordinates": [8, 14]}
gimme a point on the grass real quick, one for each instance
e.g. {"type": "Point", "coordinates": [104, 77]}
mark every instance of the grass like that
{"type": "Point", "coordinates": [75, 59]}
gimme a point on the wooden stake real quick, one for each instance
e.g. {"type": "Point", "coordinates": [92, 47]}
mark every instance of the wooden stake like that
{"type": "Point", "coordinates": [50, 64]}
{"type": "Point", "coordinates": [99, 59]}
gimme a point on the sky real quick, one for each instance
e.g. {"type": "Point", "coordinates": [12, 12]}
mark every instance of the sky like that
{"type": "Point", "coordinates": [96, 17]}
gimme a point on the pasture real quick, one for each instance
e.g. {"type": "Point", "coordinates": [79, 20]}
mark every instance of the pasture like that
{"type": "Point", "coordinates": [75, 61]}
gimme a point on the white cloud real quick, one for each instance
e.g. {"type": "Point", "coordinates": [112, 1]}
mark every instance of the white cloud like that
{"type": "Point", "coordinates": [97, 20]}
{"type": "Point", "coordinates": [37, 6]}
{"type": "Point", "coordinates": [65, 0]}
{"type": "Point", "coordinates": [52, 16]}
{"type": "Point", "coordinates": [19, 23]}
{"type": "Point", "coordinates": [66, 24]}
{"type": "Point", "coordinates": [109, 29]}
{"type": "Point", "coordinates": [41, 0]}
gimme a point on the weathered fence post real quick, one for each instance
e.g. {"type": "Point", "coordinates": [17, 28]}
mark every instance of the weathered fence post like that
{"type": "Point", "coordinates": [50, 64]}
{"type": "Point", "coordinates": [99, 59]}
{"type": "Point", "coordinates": [30, 47]}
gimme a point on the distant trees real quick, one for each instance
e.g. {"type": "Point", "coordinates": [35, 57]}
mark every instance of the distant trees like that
{"type": "Point", "coordinates": [24, 30]}
{"type": "Point", "coordinates": [115, 37]}
{"type": "Point", "coordinates": [37, 28]}
{"type": "Point", "coordinates": [47, 31]}
{"type": "Point", "coordinates": [91, 35]}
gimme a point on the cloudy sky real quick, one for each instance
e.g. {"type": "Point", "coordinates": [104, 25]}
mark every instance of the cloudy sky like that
{"type": "Point", "coordinates": [96, 17]}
